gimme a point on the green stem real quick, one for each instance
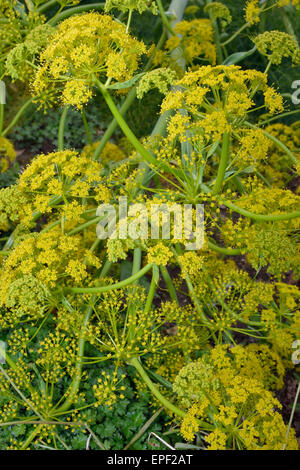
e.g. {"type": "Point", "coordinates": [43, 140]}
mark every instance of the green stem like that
{"type": "Point", "coordinates": [47, 5]}
{"type": "Point", "coordinates": [171, 289]}
{"type": "Point", "coordinates": [125, 106]}
{"type": "Point", "coordinates": [123, 125]}
{"type": "Point", "coordinates": [118, 285]}
{"type": "Point", "coordinates": [75, 11]}
{"type": "Point", "coordinates": [61, 129]}
{"type": "Point", "coordinates": [288, 25]}
{"type": "Point", "coordinates": [246, 25]}
{"type": "Point", "coordinates": [279, 116]}
{"type": "Point", "coordinates": [136, 363]}
{"type": "Point", "coordinates": [84, 226]}
{"type": "Point", "coordinates": [190, 287]}
{"type": "Point", "coordinates": [129, 21]}
{"type": "Point", "coordinates": [17, 117]}
{"type": "Point", "coordinates": [31, 436]}
{"type": "Point", "coordinates": [292, 416]}
{"type": "Point", "coordinates": [216, 34]}
{"type": "Point", "coordinates": [262, 217]}
{"type": "Point", "coordinates": [224, 251]}
{"type": "Point", "coordinates": [77, 376]}
{"type": "Point", "coordinates": [222, 165]}
{"type": "Point", "coordinates": [151, 293]}
{"type": "Point", "coordinates": [167, 404]}
{"type": "Point", "coordinates": [106, 268]}
{"type": "Point", "coordinates": [164, 18]}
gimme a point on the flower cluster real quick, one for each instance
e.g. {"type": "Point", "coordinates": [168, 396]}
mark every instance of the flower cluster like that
{"type": "Point", "coordinates": [125, 5]}
{"type": "Point", "coordinates": [276, 45]}
{"type": "Point", "coordinates": [231, 403]}
{"type": "Point", "coordinates": [7, 153]}
{"type": "Point", "coordinates": [83, 48]}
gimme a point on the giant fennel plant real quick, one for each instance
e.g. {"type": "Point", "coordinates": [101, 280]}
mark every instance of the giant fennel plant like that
{"type": "Point", "coordinates": [66, 307]}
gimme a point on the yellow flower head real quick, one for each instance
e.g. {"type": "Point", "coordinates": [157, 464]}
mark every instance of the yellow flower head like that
{"type": "Point", "coordinates": [252, 11]}
{"type": "Point", "coordinates": [219, 10]}
{"type": "Point", "coordinates": [125, 5]}
{"type": "Point", "coordinates": [83, 47]}
{"type": "Point", "coordinates": [7, 153]}
{"type": "Point", "coordinates": [276, 45]}
{"type": "Point", "coordinates": [194, 39]}
{"type": "Point", "coordinates": [216, 99]}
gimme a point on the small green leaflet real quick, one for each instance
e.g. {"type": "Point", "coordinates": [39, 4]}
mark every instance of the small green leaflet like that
{"type": "Point", "coordinates": [129, 83]}
{"type": "Point", "coordinates": [238, 56]}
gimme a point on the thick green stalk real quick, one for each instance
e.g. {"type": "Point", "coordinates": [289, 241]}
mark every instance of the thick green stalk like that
{"type": "Point", "coordinates": [131, 309]}
{"type": "Point", "coordinates": [176, 11]}
{"type": "Point", "coordinates": [171, 289]}
{"type": "Point", "coordinates": [118, 285]}
{"type": "Point", "coordinates": [125, 106]}
{"type": "Point", "coordinates": [246, 25]}
{"type": "Point", "coordinates": [124, 126]}
{"type": "Point", "coordinates": [61, 129]}
{"type": "Point", "coordinates": [75, 11]}
{"type": "Point", "coordinates": [151, 293]}
{"type": "Point", "coordinates": [222, 165]}
{"type": "Point", "coordinates": [135, 362]}
{"type": "Point", "coordinates": [47, 5]}
{"type": "Point", "coordinates": [114, 124]}
{"type": "Point", "coordinates": [262, 217]}
{"type": "Point", "coordinates": [106, 268]}
{"type": "Point", "coordinates": [166, 403]}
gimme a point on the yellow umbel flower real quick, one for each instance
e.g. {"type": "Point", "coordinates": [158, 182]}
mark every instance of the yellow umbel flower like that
{"type": "Point", "coordinates": [218, 10]}
{"type": "Point", "coordinates": [19, 64]}
{"type": "Point", "coordinates": [7, 153]}
{"type": "Point", "coordinates": [229, 399]}
{"type": "Point", "coordinates": [83, 47]}
{"type": "Point", "coordinates": [159, 254]}
{"type": "Point", "coordinates": [252, 11]}
{"type": "Point", "coordinates": [125, 5]}
{"type": "Point", "coordinates": [217, 100]}
{"type": "Point", "coordinates": [194, 39]}
{"type": "Point", "coordinates": [276, 45]}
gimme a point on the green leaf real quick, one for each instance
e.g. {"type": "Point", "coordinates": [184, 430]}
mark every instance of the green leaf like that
{"type": "Point", "coordinates": [129, 83]}
{"type": "Point", "coordinates": [212, 149]}
{"type": "Point", "coordinates": [238, 56]}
